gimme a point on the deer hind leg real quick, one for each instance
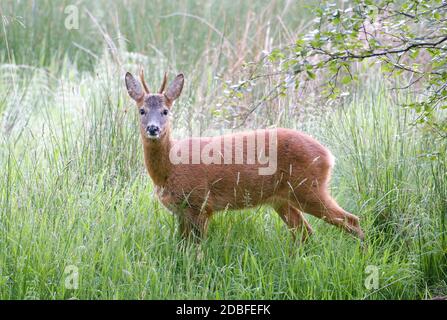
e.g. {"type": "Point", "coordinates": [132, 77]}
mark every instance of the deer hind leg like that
{"type": "Point", "coordinates": [193, 224]}
{"type": "Point", "coordinates": [185, 227]}
{"type": "Point", "coordinates": [323, 206]}
{"type": "Point", "coordinates": [294, 219]}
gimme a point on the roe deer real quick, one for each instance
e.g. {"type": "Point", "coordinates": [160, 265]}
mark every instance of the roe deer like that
{"type": "Point", "coordinates": [193, 190]}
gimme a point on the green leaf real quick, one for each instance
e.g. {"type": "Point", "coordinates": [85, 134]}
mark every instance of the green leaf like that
{"type": "Point", "coordinates": [346, 80]}
{"type": "Point", "coordinates": [311, 74]}
{"type": "Point", "coordinates": [414, 54]}
{"type": "Point", "coordinates": [386, 67]}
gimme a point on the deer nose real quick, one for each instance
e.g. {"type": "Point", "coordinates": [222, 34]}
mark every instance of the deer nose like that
{"type": "Point", "coordinates": [153, 130]}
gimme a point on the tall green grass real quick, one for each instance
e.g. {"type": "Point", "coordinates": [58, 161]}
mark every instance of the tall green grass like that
{"type": "Point", "coordinates": [74, 192]}
{"type": "Point", "coordinates": [179, 35]}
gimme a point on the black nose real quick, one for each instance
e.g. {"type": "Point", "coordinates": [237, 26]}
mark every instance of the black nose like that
{"type": "Point", "coordinates": [153, 130]}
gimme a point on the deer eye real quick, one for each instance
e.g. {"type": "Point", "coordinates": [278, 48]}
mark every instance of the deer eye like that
{"type": "Point", "coordinates": [142, 111]}
{"type": "Point", "coordinates": [165, 112]}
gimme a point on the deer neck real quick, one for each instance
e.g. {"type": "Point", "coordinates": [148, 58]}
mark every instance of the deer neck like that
{"type": "Point", "coordinates": [156, 158]}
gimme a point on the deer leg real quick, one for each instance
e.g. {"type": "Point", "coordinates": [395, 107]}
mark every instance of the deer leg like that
{"type": "Point", "coordinates": [193, 223]}
{"type": "Point", "coordinates": [326, 208]}
{"type": "Point", "coordinates": [200, 226]}
{"type": "Point", "coordinates": [295, 220]}
{"type": "Point", "coordinates": [185, 227]}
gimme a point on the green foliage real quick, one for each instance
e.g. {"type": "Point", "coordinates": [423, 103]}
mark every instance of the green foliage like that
{"type": "Point", "coordinates": [407, 39]}
{"type": "Point", "coordinates": [74, 191]}
{"type": "Point", "coordinates": [82, 198]}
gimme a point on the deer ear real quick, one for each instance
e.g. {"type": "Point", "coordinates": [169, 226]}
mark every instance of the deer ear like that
{"type": "Point", "coordinates": [175, 88]}
{"type": "Point", "coordinates": [134, 87]}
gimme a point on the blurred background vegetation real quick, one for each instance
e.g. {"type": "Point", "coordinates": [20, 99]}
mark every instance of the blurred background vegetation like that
{"type": "Point", "coordinates": [73, 189]}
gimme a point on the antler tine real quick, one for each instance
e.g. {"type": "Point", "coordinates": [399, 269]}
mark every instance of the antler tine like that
{"type": "Point", "coordinates": [163, 85]}
{"type": "Point", "coordinates": [143, 82]}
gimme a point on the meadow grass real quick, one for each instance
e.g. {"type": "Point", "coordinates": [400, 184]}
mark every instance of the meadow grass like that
{"type": "Point", "coordinates": [74, 191]}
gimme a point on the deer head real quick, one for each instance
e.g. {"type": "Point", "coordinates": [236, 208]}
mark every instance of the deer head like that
{"type": "Point", "coordinates": [154, 108]}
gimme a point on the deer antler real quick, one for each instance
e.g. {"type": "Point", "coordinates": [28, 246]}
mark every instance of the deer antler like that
{"type": "Point", "coordinates": [143, 82]}
{"type": "Point", "coordinates": [163, 85]}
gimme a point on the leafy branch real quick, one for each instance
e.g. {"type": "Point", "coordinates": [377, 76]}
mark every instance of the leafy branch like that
{"type": "Point", "coordinates": [408, 40]}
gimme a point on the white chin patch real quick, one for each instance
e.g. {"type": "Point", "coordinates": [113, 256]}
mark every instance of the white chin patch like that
{"type": "Point", "coordinates": [153, 137]}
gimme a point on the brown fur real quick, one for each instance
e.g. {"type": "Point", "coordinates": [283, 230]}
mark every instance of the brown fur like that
{"type": "Point", "coordinates": [194, 192]}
